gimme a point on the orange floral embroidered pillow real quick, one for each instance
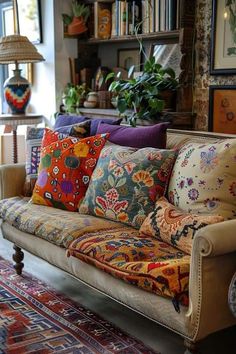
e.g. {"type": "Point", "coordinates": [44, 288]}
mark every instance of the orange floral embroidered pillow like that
{"type": "Point", "coordinates": [65, 170]}
{"type": "Point", "coordinates": [126, 183]}
{"type": "Point", "coordinates": [174, 226]}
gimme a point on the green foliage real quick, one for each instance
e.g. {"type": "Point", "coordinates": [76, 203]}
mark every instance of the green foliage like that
{"type": "Point", "coordinates": [67, 19]}
{"type": "Point", "coordinates": [142, 95]}
{"type": "Point", "coordinates": [78, 10]}
{"type": "Point", "coordinates": [72, 96]}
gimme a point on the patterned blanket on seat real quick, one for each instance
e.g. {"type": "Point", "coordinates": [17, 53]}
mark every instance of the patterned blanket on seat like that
{"type": "Point", "coordinates": [138, 259]}
{"type": "Point", "coordinates": [54, 225]}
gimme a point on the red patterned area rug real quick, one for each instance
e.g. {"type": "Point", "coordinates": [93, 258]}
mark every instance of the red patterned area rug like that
{"type": "Point", "coordinates": [34, 318]}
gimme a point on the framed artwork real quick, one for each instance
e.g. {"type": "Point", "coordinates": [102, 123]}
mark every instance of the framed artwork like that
{"type": "Point", "coordinates": [28, 19]}
{"type": "Point", "coordinates": [222, 109]}
{"type": "Point", "coordinates": [223, 37]}
{"type": "Point", "coordinates": [129, 57]}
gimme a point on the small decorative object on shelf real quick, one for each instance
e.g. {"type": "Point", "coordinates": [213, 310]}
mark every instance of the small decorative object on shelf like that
{"type": "Point", "coordinates": [92, 100]}
{"type": "Point", "coordinates": [232, 295]}
{"type": "Point", "coordinates": [76, 23]}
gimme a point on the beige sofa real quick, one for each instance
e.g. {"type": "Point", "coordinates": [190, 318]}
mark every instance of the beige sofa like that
{"type": "Point", "coordinates": [213, 263]}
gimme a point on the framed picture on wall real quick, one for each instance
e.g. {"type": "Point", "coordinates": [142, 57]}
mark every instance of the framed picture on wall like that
{"type": "Point", "coordinates": [128, 57]}
{"type": "Point", "coordinates": [28, 20]}
{"type": "Point", "coordinates": [222, 109]}
{"type": "Point", "coordinates": [223, 38]}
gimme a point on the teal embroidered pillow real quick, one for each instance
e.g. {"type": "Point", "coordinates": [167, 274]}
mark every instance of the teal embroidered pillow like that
{"type": "Point", "coordinates": [126, 183]}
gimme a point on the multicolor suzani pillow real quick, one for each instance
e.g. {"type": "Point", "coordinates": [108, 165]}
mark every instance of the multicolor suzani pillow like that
{"type": "Point", "coordinates": [203, 179]}
{"type": "Point", "coordinates": [126, 183]}
{"type": "Point", "coordinates": [65, 170]}
{"type": "Point", "coordinates": [174, 226]}
{"type": "Point", "coordinates": [35, 138]}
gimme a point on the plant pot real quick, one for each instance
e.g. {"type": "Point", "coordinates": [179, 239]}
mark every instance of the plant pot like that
{"type": "Point", "coordinates": [169, 96]}
{"type": "Point", "coordinates": [77, 26]}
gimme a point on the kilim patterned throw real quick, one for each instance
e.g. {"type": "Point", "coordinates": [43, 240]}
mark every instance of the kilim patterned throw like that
{"type": "Point", "coordinates": [34, 318]}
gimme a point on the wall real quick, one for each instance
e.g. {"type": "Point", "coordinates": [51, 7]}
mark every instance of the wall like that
{"type": "Point", "coordinates": [51, 76]}
{"type": "Point", "coordinates": [202, 56]}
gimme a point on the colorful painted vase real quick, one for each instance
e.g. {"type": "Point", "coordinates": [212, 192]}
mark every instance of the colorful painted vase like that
{"type": "Point", "coordinates": [17, 92]}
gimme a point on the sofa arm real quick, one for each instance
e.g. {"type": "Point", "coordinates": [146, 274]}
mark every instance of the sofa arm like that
{"type": "Point", "coordinates": [12, 178]}
{"type": "Point", "coordinates": [216, 239]}
{"type": "Point", "coordinates": [213, 263]}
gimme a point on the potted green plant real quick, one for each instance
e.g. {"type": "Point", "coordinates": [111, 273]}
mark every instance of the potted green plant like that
{"type": "Point", "coordinates": [144, 95]}
{"type": "Point", "coordinates": [73, 97]}
{"type": "Point", "coordinates": [76, 23]}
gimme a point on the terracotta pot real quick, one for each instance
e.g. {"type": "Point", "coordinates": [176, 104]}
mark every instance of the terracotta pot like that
{"type": "Point", "coordinates": [77, 26]}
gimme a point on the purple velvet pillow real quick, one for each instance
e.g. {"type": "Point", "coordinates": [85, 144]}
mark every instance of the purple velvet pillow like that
{"type": "Point", "coordinates": [65, 119]}
{"type": "Point", "coordinates": [96, 121]}
{"type": "Point", "coordinates": [139, 137]}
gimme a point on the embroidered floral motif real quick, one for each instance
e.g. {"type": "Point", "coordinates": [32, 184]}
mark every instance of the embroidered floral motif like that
{"type": "Point", "coordinates": [206, 182]}
{"type": "Point", "coordinates": [134, 179]}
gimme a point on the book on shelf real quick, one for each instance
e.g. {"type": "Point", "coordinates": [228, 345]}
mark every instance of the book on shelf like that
{"type": "Point", "coordinates": [119, 18]}
{"type": "Point", "coordinates": [102, 19]}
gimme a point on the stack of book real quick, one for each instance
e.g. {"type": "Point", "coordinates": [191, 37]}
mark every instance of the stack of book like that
{"type": "Point", "coordinates": [124, 17]}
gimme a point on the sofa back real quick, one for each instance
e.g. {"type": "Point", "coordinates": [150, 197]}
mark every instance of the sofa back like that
{"type": "Point", "coordinates": [177, 138]}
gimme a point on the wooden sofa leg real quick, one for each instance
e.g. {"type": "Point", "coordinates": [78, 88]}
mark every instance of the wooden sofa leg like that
{"type": "Point", "coordinates": [18, 257]}
{"type": "Point", "coordinates": [191, 347]}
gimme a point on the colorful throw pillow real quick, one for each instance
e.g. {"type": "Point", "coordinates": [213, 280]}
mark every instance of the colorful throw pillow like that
{"type": "Point", "coordinates": [174, 226]}
{"type": "Point", "coordinates": [96, 121]}
{"type": "Point", "coordinates": [66, 119]}
{"type": "Point", "coordinates": [33, 147]}
{"type": "Point", "coordinates": [139, 137]}
{"type": "Point", "coordinates": [126, 183]}
{"type": "Point", "coordinates": [203, 179]}
{"type": "Point", "coordinates": [35, 139]}
{"type": "Point", "coordinates": [65, 170]}
{"type": "Point", "coordinates": [80, 130]}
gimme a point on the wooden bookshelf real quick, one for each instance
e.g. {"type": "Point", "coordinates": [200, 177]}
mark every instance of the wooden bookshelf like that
{"type": "Point", "coordinates": [89, 47]}
{"type": "Point", "coordinates": [161, 37]}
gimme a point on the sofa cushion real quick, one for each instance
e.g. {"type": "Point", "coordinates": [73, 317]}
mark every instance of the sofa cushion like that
{"type": "Point", "coordinates": [174, 226]}
{"type": "Point", "coordinates": [64, 120]}
{"type": "Point", "coordinates": [96, 121]}
{"type": "Point", "coordinates": [126, 183]}
{"type": "Point", "coordinates": [203, 179]}
{"type": "Point", "coordinates": [139, 260]}
{"type": "Point", "coordinates": [65, 169]}
{"type": "Point", "coordinates": [34, 141]}
{"type": "Point", "coordinates": [139, 137]}
{"type": "Point", "coordinates": [33, 147]}
{"type": "Point", "coordinates": [80, 130]}
{"type": "Point", "coordinates": [59, 227]}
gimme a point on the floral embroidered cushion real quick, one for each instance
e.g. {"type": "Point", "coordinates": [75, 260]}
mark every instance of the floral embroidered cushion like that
{"type": "Point", "coordinates": [127, 182]}
{"type": "Point", "coordinates": [203, 179]}
{"type": "Point", "coordinates": [65, 170]}
{"type": "Point", "coordinates": [139, 260]}
{"type": "Point", "coordinates": [174, 226]}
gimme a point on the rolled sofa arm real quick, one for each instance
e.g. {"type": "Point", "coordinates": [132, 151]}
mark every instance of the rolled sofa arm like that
{"type": "Point", "coordinates": [12, 178]}
{"type": "Point", "coordinates": [216, 239]}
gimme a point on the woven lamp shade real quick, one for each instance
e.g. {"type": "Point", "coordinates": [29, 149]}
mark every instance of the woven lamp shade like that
{"type": "Point", "coordinates": [17, 48]}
